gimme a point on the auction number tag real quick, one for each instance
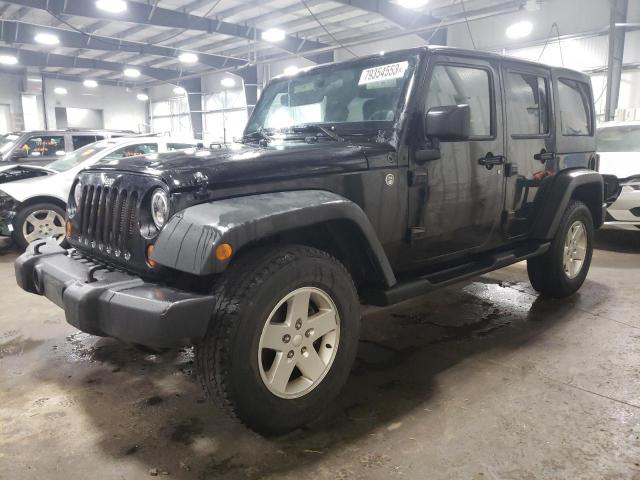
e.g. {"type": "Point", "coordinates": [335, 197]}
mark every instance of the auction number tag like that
{"type": "Point", "coordinates": [383, 73]}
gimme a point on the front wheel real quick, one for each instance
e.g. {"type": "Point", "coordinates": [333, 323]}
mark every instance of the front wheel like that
{"type": "Point", "coordinates": [561, 271]}
{"type": "Point", "coordinates": [282, 339]}
{"type": "Point", "coordinates": [38, 221]}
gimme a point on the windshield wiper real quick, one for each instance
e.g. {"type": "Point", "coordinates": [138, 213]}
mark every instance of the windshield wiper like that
{"type": "Point", "coordinates": [258, 133]}
{"type": "Point", "coordinates": [320, 128]}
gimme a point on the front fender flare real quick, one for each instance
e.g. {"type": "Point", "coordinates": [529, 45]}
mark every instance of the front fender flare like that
{"type": "Point", "coordinates": [188, 242]}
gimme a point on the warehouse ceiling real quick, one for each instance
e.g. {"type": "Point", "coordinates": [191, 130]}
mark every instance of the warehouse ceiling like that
{"type": "Point", "coordinates": [150, 36]}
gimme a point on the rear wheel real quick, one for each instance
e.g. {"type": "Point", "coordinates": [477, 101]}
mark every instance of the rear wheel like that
{"type": "Point", "coordinates": [38, 221]}
{"type": "Point", "coordinates": [561, 271]}
{"type": "Point", "coordinates": [282, 339]}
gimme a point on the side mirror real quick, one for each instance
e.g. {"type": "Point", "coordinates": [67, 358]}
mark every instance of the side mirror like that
{"type": "Point", "coordinates": [451, 123]}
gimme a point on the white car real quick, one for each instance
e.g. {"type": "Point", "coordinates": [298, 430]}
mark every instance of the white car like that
{"type": "Point", "coordinates": [619, 150]}
{"type": "Point", "coordinates": [34, 208]}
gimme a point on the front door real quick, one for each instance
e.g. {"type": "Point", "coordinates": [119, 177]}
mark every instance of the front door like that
{"type": "Point", "coordinates": [529, 142]}
{"type": "Point", "coordinates": [458, 207]}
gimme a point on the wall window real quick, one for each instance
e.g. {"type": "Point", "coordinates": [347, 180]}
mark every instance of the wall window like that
{"type": "Point", "coordinates": [454, 85]}
{"type": "Point", "coordinates": [44, 146]}
{"type": "Point", "coordinates": [527, 104]}
{"type": "Point", "coordinates": [575, 111]}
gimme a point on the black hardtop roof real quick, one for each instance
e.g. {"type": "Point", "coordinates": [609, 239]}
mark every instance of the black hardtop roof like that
{"type": "Point", "coordinates": [439, 49]}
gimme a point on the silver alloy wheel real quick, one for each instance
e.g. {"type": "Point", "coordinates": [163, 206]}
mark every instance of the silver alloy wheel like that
{"type": "Point", "coordinates": [299, 342]}
{"type": "Point", "coordinates": [43, 223]}
{"type": "Point", "coordinates": [575, 249]}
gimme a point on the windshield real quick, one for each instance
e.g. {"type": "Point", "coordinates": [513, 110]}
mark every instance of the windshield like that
{"type": "Point", "coordinates": [76, 158]}
{"type": "Point", "coordinates": [625, 138]}
{"type": "Point", "coordinates": [342, 93]}
{"type": "Point", "coordinates": [7, 142]}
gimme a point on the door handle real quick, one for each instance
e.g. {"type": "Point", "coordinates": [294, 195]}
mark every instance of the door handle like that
{"type": "Point", "coordinates": [489, 160]}
{"type": "Point", "coordinates": [544, 156]}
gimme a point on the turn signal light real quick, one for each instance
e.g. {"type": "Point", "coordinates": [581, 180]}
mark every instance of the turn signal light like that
{"type": "Point", "coordinates": [151, 263]}
{"type": "Point", "coordinates": [68, 229]}
{"type": "Point", "coordinates": [223, 252]}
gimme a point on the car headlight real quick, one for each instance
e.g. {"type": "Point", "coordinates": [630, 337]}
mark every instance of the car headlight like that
{"type": "Point", "coordinates": [77, 194]}
{"type": "Point", "coordinates": [159, 208]}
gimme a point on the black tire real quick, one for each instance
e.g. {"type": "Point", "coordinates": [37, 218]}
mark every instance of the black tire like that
{"type": "Point", "coordinates": [546, 272]}
{"type": "Point", "coordinates": [21, 218]}
{"type": "Point", "coordinates": [227, 358]}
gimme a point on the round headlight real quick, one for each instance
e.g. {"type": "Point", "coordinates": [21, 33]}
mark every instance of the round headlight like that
{"type": "Point", "coordinates": [159, 208]}
{"type": "Point", "coordinates": [77, 194]}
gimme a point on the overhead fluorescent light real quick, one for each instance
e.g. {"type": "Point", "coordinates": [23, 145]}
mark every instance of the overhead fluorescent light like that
{"type": "Point", "coordinates": [188, 57]}
{"type": "Point", "coordinates": [46, 39]}
{"type": "Point", "coordinates": [112, 6]}
{"type": "Point", "coordinates": [291, 70]}
{"type": "Point", "coordinates": [412, 3]}
{"type": "Point", "coordinates": [519, 29]}
{"type": "Point", "coordinates": [131, 72]}
{"type": "Point", "coordinates": [179, 90]}
{"type": "Point", "coordinates": [273, 35]}
{"type": "Point", "coordinates": [90, 83]}
{"type": "Point", "coordinates": [143, 97]}
{"type": "Point", "coordinates": [8, 60]}
{"type": "Point", "coordinates": [60, 91]}
{"type": "Point", "coordinates": [228, 82]}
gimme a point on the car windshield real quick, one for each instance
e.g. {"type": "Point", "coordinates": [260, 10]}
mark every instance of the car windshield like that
{"type": "Point", "coordinates": [73, 159]}
{"type": "Point", "coordinates": [337, 94]}
{"type": "Point", "coordinates": [7, 142]}
{"type": "Point", "coordinates": [623, 138]}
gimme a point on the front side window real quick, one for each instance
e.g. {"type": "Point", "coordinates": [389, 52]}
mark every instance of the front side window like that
{"type": "Point", "coordinates": [75, 158]}
{"type": "Point", "coordinates": [43, 146]}
{"type": "Point", "coordinates": [347, 93]}
{"type": "Point", "coordinates": [456, 85]}
{"type": "Point", "coordinates": [179, 146]}
{"type": "Point", "coordinates": [574, 104]}
{"type": "Point", "coordinates": [527, 104]}
{"type": "Point", "coordinates": [623, 138]}
{"type": "Point", "coordinates": [133, 151]}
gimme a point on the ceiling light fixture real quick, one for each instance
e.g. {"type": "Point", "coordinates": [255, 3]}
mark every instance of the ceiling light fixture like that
{"type": "Point", "coordinates": [131, 72]}
{"type": "Point", "coordinates": [412, 3]}
{"type": "Point", "coordinates": [60, 91]}
{"type": "Point", "coordinates": [112, 6]}
{"type": "Point", "coordinates": [90, 83]}
{"type": "Point", "coordinates": [273, 35]}
{"type": "Point", "coordinates": [291, 70]}
{"type": "Point", "coordinates": [188, 57]}
{"type": "Point", "coordinates": [519, 30]}
{"type": "Point", "coordinates": [8, 60]}
{"type": "Point", "coordinates": [228, 82]}
{"type": "Point", "coordinates": [179, 90]}
{"type": "Point", "coordinates": [46, 39]}
{"type": "Point", "coordinates": [143, 97]}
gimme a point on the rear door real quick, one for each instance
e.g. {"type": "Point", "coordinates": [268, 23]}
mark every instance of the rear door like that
{"type": "Point", "coordinates": [460, 207]}
{"type": "Point", "coordinates": [530, 142]}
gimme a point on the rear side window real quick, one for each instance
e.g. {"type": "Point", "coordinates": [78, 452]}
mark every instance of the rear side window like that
{"type": "Point", "coordinates": [80, 141]}
{"type": "Point", "coordinates": [44, 146]}
{"type": "Point", "coordinates": [456, 85]}
{"type": "Point", "coordinates": [527, 104]}
{"type": "Point", "coordinates": [575, 114]}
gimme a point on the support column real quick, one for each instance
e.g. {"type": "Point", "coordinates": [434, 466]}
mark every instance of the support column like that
{"type": "Point", "coordinates": [616, 51]}
{"type": "Point", "coordinates": [193, 86]}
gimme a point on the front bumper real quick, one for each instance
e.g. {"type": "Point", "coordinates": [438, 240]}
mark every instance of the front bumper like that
{"type": "Point", "coordinates": [624, 213]}
{"type": "Point", "coordinates": [101, 301]}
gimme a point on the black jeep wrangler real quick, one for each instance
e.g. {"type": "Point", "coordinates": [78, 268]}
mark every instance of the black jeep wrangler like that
{"type": "Point", "coordinates": [369, 181]}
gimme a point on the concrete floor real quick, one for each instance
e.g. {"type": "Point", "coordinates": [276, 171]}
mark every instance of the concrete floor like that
{"type": "Point", "coordinates": [482, 380]}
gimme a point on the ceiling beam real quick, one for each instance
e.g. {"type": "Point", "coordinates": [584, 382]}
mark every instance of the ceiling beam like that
{"type": "Point", "coordinates": [143, 14]}
{"type": "Point", "coordinates": [30, 58]}
{"type": "Point", "coordinates": [24, 33]}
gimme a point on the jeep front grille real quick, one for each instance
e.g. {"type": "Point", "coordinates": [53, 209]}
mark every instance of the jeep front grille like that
{"type": "Point", "coordinates": [108, 218]}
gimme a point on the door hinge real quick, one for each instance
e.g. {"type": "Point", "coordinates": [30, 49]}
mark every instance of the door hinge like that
{"type": "Point", "coordinates": [417, 178]}
{"type": "Point", "coordinates": [510, 169]}
{"type": "Point", "coordinates": [415, 233]}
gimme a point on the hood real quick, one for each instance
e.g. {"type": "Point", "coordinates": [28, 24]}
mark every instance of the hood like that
{"type": "Point", "coordinates": [620, 164]}
{"type": "Point", "coordinates": [11, 173]}
{"type": "Point", "coordinates": [241, 164]}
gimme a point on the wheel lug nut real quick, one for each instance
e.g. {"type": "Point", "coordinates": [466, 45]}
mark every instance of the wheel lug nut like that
{"type": "Point", "coordinates": [286, 338]}
{"type": "Point", "coordinates": [298, 324]}
{"type": "Point", "coordinates": [290, 354]}
{"type": "Point", "coordinates": [309, 333]}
